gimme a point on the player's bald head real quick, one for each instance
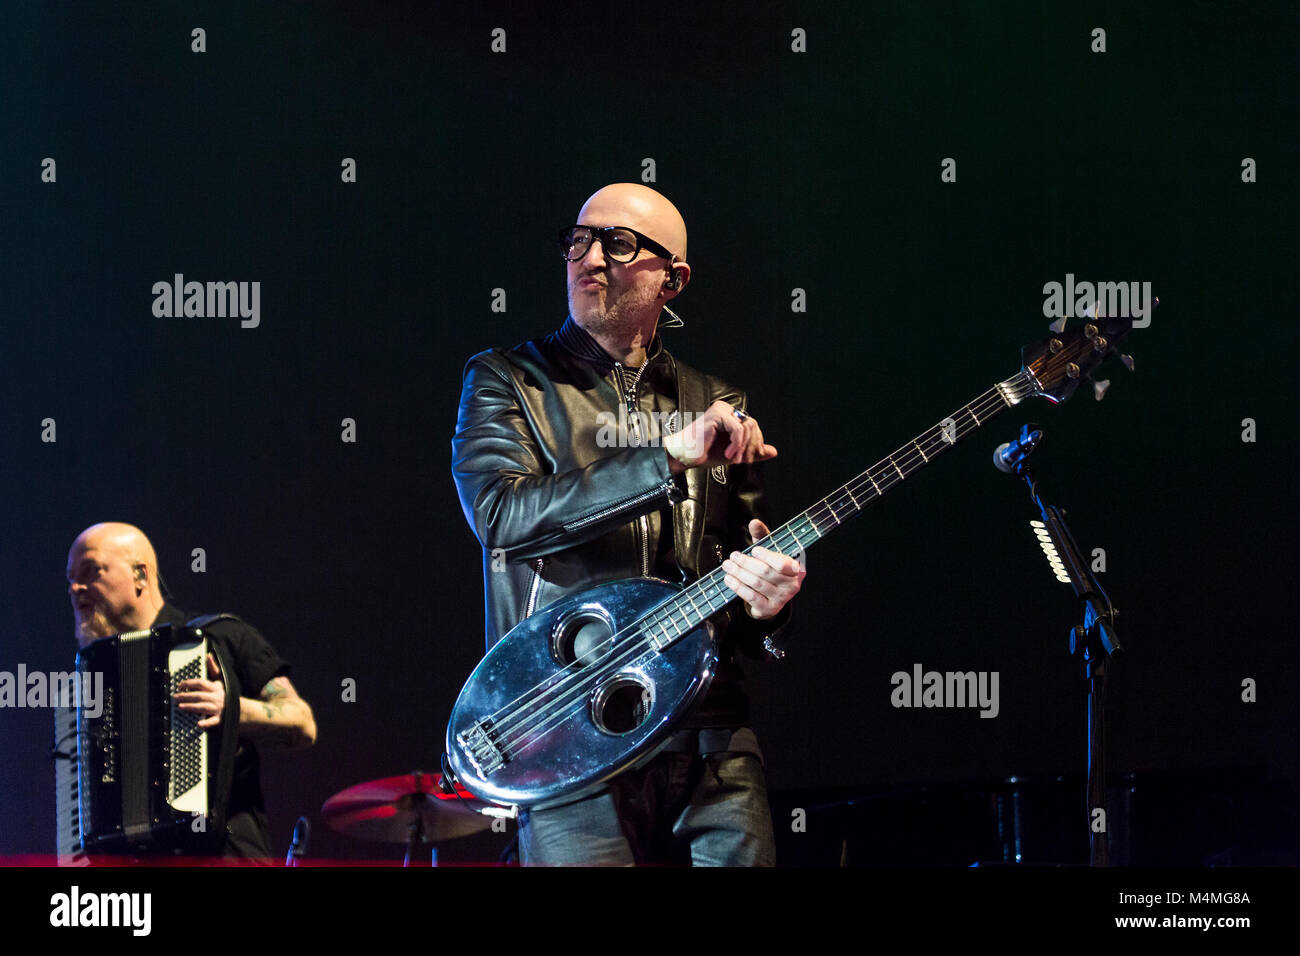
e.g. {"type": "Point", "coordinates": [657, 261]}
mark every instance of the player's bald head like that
{"type": "Point", "coordinates": [116, 538]}
{"type": "Point", "coordinates": [638, 207]}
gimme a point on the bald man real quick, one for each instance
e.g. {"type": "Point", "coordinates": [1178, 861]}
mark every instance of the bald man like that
{"type": "Point", "coordinates": [115, 587]}
{"type": "Point", "coordinates": [594, 454]}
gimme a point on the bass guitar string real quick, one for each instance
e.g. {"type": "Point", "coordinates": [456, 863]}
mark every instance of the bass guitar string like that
{"type": "Point", "coordinates": [852, 496]}
{"type": "Point", "coordinates": [545, 715]}
{"type": "Point", "coordinates": [544, 718]}
{"type": "Point", "coordinates": [986, 398]}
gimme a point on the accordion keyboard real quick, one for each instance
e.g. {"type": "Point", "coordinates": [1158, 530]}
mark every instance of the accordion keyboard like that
{"type": "Point", "coordinates": [67, 788]}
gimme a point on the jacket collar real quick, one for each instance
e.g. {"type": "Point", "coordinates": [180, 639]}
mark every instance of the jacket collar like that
{"type": "Point", "coordinates": [580, 342]}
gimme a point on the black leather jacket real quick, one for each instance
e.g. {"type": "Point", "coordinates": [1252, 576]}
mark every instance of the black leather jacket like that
{"type": "Point", "coordinates": [557, 513]}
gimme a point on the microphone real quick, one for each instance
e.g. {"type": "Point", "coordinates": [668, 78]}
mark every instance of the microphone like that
{"type": "Point", "coordinates": [674, 322]}
{"type": "Point", "coordinates": [1011, 454]}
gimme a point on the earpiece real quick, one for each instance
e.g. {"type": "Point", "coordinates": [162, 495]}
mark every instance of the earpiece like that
{"type": "Point", "coordinates": [674, 281]}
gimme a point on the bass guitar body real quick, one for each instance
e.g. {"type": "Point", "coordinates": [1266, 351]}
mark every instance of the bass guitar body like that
{"type": "Point", "coordinates": [576, 694]}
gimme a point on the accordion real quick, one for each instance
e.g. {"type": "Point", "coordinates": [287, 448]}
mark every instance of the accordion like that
{"type": "Point", "coordinates": [143, 777]}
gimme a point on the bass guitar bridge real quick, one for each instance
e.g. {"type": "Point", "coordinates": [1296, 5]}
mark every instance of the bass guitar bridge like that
{"type": "Point", "coordinates": [479, 745]}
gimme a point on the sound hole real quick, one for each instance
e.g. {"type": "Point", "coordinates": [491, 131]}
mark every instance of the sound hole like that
{"type": "Point", "coordinates": [622, 704]}
{"type": "Point", "coordinates": [582, 638]}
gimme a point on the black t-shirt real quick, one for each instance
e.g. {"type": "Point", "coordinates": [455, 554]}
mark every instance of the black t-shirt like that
{"type": "Point", "coordinates": [256, 663]}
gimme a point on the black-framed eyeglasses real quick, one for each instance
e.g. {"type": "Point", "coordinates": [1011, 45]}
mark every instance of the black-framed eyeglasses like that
{"type": "Point", "coordinates": [618, 242]}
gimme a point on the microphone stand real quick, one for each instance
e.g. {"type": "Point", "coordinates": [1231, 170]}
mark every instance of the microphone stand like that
{"type": "Point", "coordinates": [1095, 640]}
{"type": "Point", "coordinates": [298, 845]}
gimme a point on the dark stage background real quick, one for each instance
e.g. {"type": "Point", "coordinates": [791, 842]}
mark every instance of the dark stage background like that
{"type": "Point", "coordinates": [816, 170]}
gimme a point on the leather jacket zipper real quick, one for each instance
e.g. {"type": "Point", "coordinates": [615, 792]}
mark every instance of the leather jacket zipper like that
{"type": "Point", "coordinates": [634, 423]}
{"type": "Point", "coordinates": [644, 524]}
{"type": "Point", "coordinates": [664, 489]}
{"type": "Point", "coordinates": [534, 588]}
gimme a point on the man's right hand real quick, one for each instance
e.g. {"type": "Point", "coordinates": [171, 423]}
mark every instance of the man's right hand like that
{"type": "Point", "coordinates": [717, 437]}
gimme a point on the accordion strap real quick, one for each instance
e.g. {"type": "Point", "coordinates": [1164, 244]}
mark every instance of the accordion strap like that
{"type": "Point", "coordinates": [203, 620]}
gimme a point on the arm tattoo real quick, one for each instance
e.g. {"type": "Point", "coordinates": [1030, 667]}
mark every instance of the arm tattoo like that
{"type": "Point", "coordinates": [274, 689]}
{"type": "Point", "coordinates": [280, 702]}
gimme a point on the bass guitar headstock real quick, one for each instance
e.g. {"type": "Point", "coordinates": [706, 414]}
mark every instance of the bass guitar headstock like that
{"type": "Point", "coordinates": [1060, 362]}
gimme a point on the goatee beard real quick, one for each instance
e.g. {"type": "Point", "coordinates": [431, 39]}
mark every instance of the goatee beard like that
{"type": "Point", "coordinates": [611, 323]}
{"type": "Point", "coordinates": [621, 320]}
{"type": "Point", "coordinates": [94, 624]}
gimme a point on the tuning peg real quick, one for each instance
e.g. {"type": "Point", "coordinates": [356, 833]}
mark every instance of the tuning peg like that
{"type": "Point", "coordinates": [1058, 326]}
{"type": "Point", "coordinates": [1099, 388]}
{"type": "Point", "coordinates": [1127, 360]}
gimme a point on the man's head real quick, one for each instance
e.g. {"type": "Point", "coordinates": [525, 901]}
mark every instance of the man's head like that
{"type": "Point", "coordinates": [607, 297]}
{"type": "Point", "coordinates": [112, 581]}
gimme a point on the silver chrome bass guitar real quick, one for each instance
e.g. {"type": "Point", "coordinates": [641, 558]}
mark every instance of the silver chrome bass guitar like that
{"type": "Point", "coordinates": [596, 682]}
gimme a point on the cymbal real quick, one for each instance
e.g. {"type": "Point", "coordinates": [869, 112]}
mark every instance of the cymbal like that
{"type": "Point", "coordinates": [384, 810]}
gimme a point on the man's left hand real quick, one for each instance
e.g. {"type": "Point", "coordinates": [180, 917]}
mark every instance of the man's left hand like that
{"type": "Point", "coordinates": [765, 580]}
{"type": "Point", "coordinates": [204, 696]}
